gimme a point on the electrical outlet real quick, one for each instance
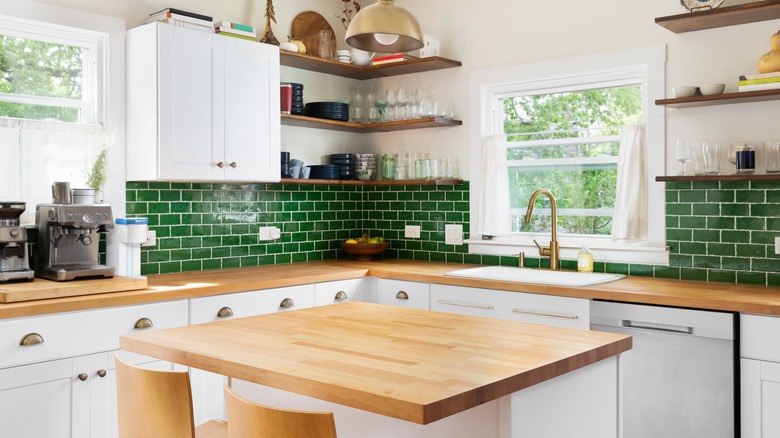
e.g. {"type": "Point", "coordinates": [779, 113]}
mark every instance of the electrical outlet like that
{"type": "Point", "coordinates": [453, 234]}
{"type": "Point", "coordinates": [412, 232]}
{"type": "Point", "coordinates": [151, 238]}
{"type": "Point", "coordinates": [269, 233]}
{"type": "Point", "coordinates": [777, 245]}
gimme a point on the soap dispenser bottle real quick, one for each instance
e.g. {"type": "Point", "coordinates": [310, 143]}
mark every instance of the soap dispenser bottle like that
{"type": "Point", "coordinates": [585, 259]}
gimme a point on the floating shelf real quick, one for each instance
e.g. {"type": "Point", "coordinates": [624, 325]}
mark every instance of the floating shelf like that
{"type": "Point", "coordinates": [335, 125]}
{"type": "Point", "coordinates": [721, 17]}
{"type": "Point", "coordinates": [720, 99]}
{"type": "Point", "coordinates": [331, 67]}
{"type": "Point", "coordinates": [707, 178]}
{"type": "Point", "coordinates": [354, 182]}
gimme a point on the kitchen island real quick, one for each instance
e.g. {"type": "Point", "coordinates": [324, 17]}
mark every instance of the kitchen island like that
{"type": "Point", "coordinates": [411, 372]}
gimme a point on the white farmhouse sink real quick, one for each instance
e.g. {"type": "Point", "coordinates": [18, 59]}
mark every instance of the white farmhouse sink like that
{"type": "Point", "coordinates": [538, 276]}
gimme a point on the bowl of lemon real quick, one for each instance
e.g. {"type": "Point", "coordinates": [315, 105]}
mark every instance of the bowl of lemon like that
{"type": "Point", "coordinates": [365, 247]}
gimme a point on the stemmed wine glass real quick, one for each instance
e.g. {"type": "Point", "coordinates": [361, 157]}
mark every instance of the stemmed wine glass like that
{"type": "Point", "coordinates": [380, 105]}
{"type": "Point", "coordinates": [683, 152]}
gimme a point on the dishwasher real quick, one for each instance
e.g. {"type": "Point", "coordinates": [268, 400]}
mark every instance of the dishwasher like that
{"type": "Point", "coordinates": [681, 378]}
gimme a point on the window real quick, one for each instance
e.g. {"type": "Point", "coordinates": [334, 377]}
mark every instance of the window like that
{"type": "Point", "coordinates": [562, 123]}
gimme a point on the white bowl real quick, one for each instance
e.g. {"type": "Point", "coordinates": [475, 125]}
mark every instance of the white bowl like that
{"type": "Point", "coordinates": [711, 89]}
{"type": "Point", "coordinates": [684, 91]}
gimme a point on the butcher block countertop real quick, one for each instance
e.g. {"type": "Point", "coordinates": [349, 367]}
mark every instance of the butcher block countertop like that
{"type": "Point", "coordinates": [679, 293]}
{"type": "Point", "coordinates": [415, 365]}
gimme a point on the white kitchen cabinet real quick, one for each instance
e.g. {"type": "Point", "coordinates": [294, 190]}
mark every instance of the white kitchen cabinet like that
{"type": "Point", "coordinates": [760, 376]}
{"type": "Point", "coordinates": [341, 291]}
{"type": "Point", "coordinates": [207, 388]}
{"type": "Point", "coordinates": [201, 106]}
{"type": "Point", "coordinates": [514, 306]}
{"type": "Point", "coordinates": [403, 294]}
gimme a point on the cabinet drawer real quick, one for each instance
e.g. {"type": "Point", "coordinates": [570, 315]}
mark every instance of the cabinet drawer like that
{"type": "Point", "coordinates": [78, 333]}
{"type": "Point", "coordinates": [758, 337]}
{"type": "Point", "coordinates": [404, 294]}
{"type": "Point", "coordinates": [341, 291]}
{"type": "Point", "coordinates": [244, 304]}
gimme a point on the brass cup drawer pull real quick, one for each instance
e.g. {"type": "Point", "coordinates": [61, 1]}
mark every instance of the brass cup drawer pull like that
{"type": "Point", "coordinates": [31, 339]}
{"type": "Point", "coordinates": [455, 303]}
{"type": "Point", "coordinates": [143, 323]}
{"type": "Point", "coordinates": [401, 295]}
{"type": "Point", "coordinates": [83, 377]}
{"type": "Point", "coordinates": [102, 373]}
{"type": "Point", "coordinates": [286, 303]}
{"type": "Point", "coordinates": [548, 315]}
{"type": "Point", "coordinates": [340, 296]}
{"type": "Point", "coordinates": [225, 312]}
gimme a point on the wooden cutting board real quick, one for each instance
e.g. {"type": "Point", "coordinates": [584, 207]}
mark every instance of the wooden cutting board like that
{"type": "Point", "coordinates": [306, 27]}
{"type": "Point", "coordinates": [40, 289]}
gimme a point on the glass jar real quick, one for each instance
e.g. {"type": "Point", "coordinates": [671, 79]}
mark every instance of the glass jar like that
{"type": "Point", "coordinates": [746, 160]}
{"type": "Point", "coordinates": [388, 167]}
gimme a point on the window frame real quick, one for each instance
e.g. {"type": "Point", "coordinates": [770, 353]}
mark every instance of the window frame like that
{"type": "Point", "coordinates": [485, 87]}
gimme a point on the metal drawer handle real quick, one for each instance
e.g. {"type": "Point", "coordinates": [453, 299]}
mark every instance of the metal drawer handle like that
{"type": "Point", "coordinates": [455, 303]}
{"type": "Point", "coordinates": [83, 377]}
{"type": "Point", "coordinates": [31, 339]}
{"type": "Point", "coordinates": [101, 373]}
{"type": "Point", "coordinates": [221, 164]}
{"type": "Point", "coordinates": [341, 295]}
{"type": "Point", "coordinates": [233, 165]}
{"type": "Point", "coordinates": [401, 295]}
{"type": "Point", "coordinates": [549, 315]}
{"type": "Point", "coordinates": [143, 323]}
{"type": "Point", "coordinates": [286, 303]}
{"type": "Point", "coordinates": [225, 312]}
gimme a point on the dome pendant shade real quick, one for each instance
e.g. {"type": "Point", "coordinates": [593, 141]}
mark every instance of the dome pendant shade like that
{"type": "Point", "coordinates": [384, 27]}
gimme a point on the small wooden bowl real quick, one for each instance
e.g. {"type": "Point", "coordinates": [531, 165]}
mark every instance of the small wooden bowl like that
{"type": "Point", "coordinates": [365, 251]}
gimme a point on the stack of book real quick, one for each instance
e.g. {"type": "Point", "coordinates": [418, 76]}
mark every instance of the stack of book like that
{"type": "Point", "coordinates": [235, 30]}
{"type": "Point", "coordinates": [389, 59]}
{"type": "Point", "coordinates": [177, 17]}
{"type": "Point", "coordinates": [757, 82]}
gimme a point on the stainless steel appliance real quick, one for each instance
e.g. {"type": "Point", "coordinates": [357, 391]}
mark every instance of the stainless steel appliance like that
{"type": "Point", "coordinates": [14, 261]}
{"type": "Point", "coordinates": [68, 240]}
{"type": "Point", "coordinates": [681, 378]}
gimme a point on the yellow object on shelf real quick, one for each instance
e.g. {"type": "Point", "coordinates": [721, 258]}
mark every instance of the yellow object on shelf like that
{"type": "Point", "coordinates": [770, 61]}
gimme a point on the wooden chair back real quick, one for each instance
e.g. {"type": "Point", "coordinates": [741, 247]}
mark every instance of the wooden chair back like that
{"type": "Point", "coordinates": [250, 420]}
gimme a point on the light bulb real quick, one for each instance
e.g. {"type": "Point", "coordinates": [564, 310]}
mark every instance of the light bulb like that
{"type": "Point", "coordinates": [385, 39]}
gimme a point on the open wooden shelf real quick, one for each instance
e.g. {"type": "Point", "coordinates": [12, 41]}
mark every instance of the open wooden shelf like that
{"type": "Point", "coordinates": [332, 67]}
{"type": "Point", "coordinates": [726, 177]}
{"type": "Point", "coordinates": [355, 182]}
{"type": "Point", "coordinates": [721, 17]}
{"type": "Point", "coordinates": [720, 99]}
{"type": "Point", "coordinates": [336, 125]}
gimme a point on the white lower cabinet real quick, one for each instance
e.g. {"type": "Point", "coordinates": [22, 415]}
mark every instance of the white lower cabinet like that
{"type": "Point", "coordinates": [404, 294]}
{"type": "Point", "coordinates": [760, 376]}
{"type": "Point", "coordinates": [512, 306]}
{"type": "Point", "coordinates": [340, 291]}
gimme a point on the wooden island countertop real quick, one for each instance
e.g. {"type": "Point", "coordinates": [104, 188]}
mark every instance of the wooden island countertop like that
{"type": "Point", "coordinates": [415, 365]}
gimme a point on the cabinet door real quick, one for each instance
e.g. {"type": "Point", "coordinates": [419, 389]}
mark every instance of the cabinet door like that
{"type": "Point", "coordinates": [760, 399]}
{"type": "Point", "coordinates": [246, 117]}
{"type": "Point", "coordinates": [403, 294]}
{"type": "Point", "coordinates": [185, 90]}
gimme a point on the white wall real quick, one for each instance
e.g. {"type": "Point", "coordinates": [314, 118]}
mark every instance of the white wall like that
{"type": "Point", "coordinates": [499, 33]}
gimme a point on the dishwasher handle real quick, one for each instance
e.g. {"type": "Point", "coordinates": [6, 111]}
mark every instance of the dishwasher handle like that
{"type": "Point", "coordinates": [666, 328]}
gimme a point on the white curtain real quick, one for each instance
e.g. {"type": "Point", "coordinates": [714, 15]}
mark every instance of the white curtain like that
{"type": "Point", "coordinates": [629, 221]}
{"type": "Point", "coordinates": [493, 210]}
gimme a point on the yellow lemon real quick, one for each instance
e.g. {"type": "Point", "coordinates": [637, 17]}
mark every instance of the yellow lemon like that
{"type": "Point", "coordinates": [351, 241]}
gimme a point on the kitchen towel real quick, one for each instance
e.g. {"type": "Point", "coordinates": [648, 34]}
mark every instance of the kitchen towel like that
{"type": "Point", "coordinates": [629, 221]}
{"type": "Point", "coordinates": [493, 213]}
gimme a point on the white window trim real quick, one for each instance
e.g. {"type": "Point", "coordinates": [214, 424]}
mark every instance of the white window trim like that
{"type": "Point", "coordinates": [486, 86]}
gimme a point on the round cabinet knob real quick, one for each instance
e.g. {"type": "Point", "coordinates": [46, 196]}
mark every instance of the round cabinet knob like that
{"type": "Point", "coordinates": [233, 165]}
{"type": "Point", "coordinates": [221, 164]}
{"type": "Point", "coordinates": [143, 323]}
{"type": "Point", "coordinates": [341, 295]}
{"type": "Point", "coordinates": [401, 295]}
{"type": "Point", "coordinates": [225, 312]}
{"type": "Point", "coordinates": [31, 339]}
{"type": "Point", "coordinates": [83, 377]}
{"type": "Point", "coordinates": [286, 303]}
{"type": "Point", "coordinates": [101, 373]}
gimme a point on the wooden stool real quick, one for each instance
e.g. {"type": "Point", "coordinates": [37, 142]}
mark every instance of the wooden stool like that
{"type": "Point", "coordinates": [247, 419]}
{"type": "Point", "coordinates": [158, 404]}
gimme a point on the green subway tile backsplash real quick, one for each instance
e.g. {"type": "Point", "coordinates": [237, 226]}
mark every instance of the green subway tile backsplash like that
{"type": "Point", "coordinates": [722, 232]}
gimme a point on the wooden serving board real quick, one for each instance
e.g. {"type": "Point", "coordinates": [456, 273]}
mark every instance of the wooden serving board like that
{"type": "Point", "coordinates": [306, 27]}
{"type": "Point", "coordinates": [40, 289]}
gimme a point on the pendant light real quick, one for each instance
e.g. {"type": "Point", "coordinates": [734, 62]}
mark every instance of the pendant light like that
{"type": "Point", "coordinates": [384, 27]}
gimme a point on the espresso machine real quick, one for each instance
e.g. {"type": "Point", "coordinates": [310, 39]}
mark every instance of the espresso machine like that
{"type": "Point", "coordinates": [68, 240]}
{"type": "Point", "coordinates": [14, 260]}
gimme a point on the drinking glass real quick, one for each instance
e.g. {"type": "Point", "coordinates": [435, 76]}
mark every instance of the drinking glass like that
{"type": "Point", "coordinates": [697, 157]}
{"type": "Point", "coordinates": [772, 154]}
{"type": "Point", "coordinates": [683, 152]}
{"type": "Point", "coordinates": [735, 147]}
{"type": "Point", "coordinates": [380, 105]}
{"type": "Point", "coordinates": [402, 99]}
{"type": "Point", "coordinates": [711, 152]}
{"type": "Point", "coordinates": [389, 112]}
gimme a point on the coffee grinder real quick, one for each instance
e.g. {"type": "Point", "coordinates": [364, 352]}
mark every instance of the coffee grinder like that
{"type": "Point", "coordinates": [14, 261]}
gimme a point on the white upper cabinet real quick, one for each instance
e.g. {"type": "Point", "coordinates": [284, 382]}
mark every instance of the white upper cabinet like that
{"type": "Point", "coordinates": [201, 106]}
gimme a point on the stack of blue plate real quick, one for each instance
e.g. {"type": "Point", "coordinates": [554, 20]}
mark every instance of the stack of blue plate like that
{"type": "Point", "coordinates": [345, 163]}
{"type": "Point", "coordinates": [297, 98]}
{"type": "Point", "coordinates": [324, 171]}
{"type": "Point", "coordinates": [327, 110]}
